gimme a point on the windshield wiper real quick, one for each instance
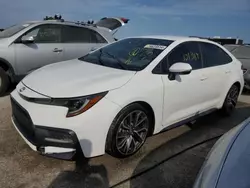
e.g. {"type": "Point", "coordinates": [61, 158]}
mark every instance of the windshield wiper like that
{"type": "Point", "coordinates": [120, 63]}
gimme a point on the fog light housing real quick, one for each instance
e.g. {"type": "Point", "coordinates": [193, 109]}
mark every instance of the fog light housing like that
{"type": "Point", "coordinates": [55, 137]}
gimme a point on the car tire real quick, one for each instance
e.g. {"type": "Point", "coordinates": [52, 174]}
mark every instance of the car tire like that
{"type": "Point", "coordinates": [128, 131]}
{"type": "Point", "coordinates": [4, 82]}
{"type": "Point", "coordinates": [230, 101]}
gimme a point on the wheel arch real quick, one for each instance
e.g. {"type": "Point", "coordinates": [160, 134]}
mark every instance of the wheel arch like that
{"type": "Point", "coordinates": [6, 66]}
{"type": "Point", "coordinates": [237, 83]}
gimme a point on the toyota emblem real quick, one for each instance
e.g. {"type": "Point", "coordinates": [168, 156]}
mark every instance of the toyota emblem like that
{"type": "Point", "coordinates": [22, 89]}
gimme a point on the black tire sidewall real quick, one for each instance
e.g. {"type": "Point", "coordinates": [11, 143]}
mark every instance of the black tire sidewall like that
{"type": "Point", "coordinates": [111, 138]}
{"type": "Point", "coordinates": [5, 82]}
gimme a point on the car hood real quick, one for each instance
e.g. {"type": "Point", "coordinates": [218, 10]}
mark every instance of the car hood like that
{"type": "Point", "coordinates": [4, 41]}
{"type": "Point", "coordinates": [75, 78]}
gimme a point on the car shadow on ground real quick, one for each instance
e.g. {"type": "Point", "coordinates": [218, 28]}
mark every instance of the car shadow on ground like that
{"type": "Point", "coordinates": [84, 175]}
{"type": "Point", "coordinates": [177, 162]}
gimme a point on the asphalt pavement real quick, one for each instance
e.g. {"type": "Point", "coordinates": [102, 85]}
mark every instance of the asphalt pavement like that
{"type": "Point", "coordinates": [170, 159]}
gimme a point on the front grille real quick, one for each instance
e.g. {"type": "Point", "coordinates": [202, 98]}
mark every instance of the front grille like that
{"type": "Point", "coordinates": [23, 121]}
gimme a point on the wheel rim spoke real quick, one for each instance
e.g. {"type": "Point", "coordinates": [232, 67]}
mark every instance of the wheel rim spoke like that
{"type": "Point", "coordinates": [130, 119]}
{"type": "Point", "coordinates": [139, 130]}
{"type": "Point", "coordinates": [122, 143]}
{"type": "Point", "coordinates": [124, 126]}
{"type": "Point", "coordinates": [233, 96]}
{"type": "Point", "coordinates": [128, 144]}
{"type": "Point", "coordinates": [138, 137]}
{"type": "Point", "coordinates": [141, 121]}
{"type": "Point", "coordinates": [137, 118]}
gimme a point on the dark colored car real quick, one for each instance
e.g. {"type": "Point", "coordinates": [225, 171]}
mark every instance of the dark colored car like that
{"type": "Point", "coordinates": [228, 163]}
{"type": "Point", "coordinates": [242, 53]}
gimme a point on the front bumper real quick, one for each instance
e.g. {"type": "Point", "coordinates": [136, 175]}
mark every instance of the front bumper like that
{"type": "Point", "coordinates": [88, 130]}
{"type": "Point", "coordinates": [52, 142]}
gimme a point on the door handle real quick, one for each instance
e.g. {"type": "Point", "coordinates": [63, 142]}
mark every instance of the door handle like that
{"type": "Point", "coordinates": [228, 72]}
{"type": "Point", "coordinates": [57, 50]}
{"type": "Point", "coordinates": [204, 78]}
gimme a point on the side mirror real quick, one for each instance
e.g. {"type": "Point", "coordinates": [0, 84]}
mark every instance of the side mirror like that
{"type": "Point", "coordinates": [27, 39]}
{"type": "Point", "coordinates": [179, 68]}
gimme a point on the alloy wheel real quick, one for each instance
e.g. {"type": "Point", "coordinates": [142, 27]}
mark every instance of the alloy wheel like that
{"type": "Point", "coordinates": [232, 96]}
{"type": "Point", "coordinates": [132, 132]}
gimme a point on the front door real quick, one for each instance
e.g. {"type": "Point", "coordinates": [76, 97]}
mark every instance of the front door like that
{"type": "Point", "coordinates": [183, 96]}
{"type": "Point", "coordinates": [45, 49]}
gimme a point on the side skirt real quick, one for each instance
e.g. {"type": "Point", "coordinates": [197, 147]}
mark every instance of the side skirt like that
{"type": "Point", "coordinates": [190, 119]}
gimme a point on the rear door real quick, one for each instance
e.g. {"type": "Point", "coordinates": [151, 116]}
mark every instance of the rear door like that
{"type": "Point", "coordinates": [78, 41]}
{"type": "Point", "coordinates": [217, 71]}
{"type": "Point", "coordinates": [45, 49]}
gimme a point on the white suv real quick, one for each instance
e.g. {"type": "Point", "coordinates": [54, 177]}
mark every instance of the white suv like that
{"type": "Point", "coordinates": [115, 97]}
{"type": "Point", "coordinates": [28, 46]}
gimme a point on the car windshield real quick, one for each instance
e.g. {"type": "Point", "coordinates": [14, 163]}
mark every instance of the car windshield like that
{"type": "Point", "coordinates": [10, 31]}
{"type": "Point", "coordinates": [129, 54]}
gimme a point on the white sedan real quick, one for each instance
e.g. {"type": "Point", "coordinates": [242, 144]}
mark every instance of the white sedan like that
{"type": "Point", "coordinates": [112, 99]}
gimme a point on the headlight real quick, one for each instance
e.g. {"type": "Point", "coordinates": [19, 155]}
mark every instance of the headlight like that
{"type": "Point", "coordinates": [75, 106]}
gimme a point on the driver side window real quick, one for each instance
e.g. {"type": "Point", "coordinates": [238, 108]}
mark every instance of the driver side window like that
{"type": "Point", "coordinates": [188, 52]}
{"type": "Point", "coordinates": [46, 33]}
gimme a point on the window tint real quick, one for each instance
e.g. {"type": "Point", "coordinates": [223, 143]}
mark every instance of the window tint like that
{"type": "Point", "coordinates": [188, 52]}
{"type": "Point", "coordinates": [97, 38]}
{"type": "Point", "coordinates": [214, 55]}
{"type": "Point", "coordinates": [46, 34]}
{"type": "Point", "coordinates": [72, 34]}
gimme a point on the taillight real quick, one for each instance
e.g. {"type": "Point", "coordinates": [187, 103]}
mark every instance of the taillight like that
{"type": "Point", "coordinates": [125, 20]}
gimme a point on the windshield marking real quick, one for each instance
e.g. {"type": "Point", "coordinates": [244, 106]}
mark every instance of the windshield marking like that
{"type": "Point", "coordinates": [153, 46]}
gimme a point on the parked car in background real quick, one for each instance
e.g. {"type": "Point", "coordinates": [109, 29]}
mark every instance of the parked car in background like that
{"type": "Point", "coordinates": [118, 95]}
{"type": "Point", "coordinates": [242, 53]}
{"type": "Point", "coordinates": [31, 45]}
{"type": "Point", "coordinates": [228, 163]}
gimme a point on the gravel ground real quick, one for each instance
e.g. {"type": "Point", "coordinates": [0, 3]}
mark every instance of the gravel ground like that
{"type": "Point", "coordinates": [21, 167]}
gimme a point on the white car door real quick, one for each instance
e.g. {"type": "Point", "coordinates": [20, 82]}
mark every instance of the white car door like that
{"type": "Point", "coordinates": [183, 96]}
{"type": "Point", "coordinates": [45, 49]}
{"type": "Point", "coordinates": [216, 71]}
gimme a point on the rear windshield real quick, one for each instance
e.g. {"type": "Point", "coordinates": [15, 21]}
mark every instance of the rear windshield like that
{"type": "Point", "coordinates": [10, 31]}
{"type": "Point", "coordinates": [128, 54]}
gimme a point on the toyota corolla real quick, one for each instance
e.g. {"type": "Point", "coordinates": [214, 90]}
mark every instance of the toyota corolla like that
{"type": "Point", "coordinates": [112, 99]}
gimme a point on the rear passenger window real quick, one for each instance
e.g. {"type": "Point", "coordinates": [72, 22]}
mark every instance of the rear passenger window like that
{"type": "Point", "coordinates": [97, 38]}
{"type": "Point", "coordinates": [214, 55]}
{"type": "Point", "coordinates": [72, 34]}
{"type": "Point", "coordinates": [188, 52]}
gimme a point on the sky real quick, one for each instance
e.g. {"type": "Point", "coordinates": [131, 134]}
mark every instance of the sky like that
{"type": "Point", "coordinates": [207, 18]}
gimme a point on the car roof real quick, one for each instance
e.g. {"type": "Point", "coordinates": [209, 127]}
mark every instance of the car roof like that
{"type": "Point", "coordinates": [59, 22]}
{"type": "Point", "coordinates": [177, 38]}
